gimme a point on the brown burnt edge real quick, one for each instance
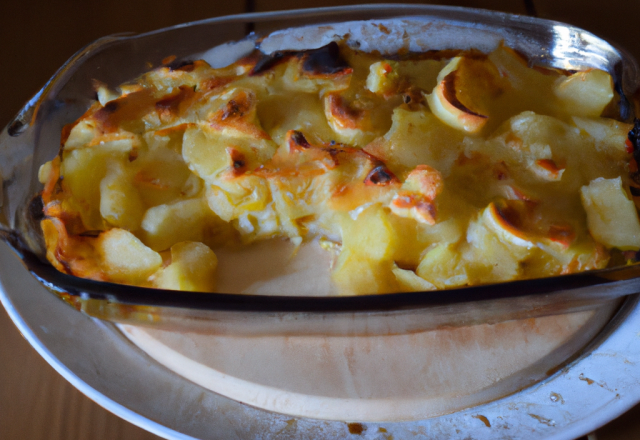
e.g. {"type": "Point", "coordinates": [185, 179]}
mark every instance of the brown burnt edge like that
{"type": "Point", "coordinates": [325, 60]}
{"type": "Point", "coordinates": [449, 92]}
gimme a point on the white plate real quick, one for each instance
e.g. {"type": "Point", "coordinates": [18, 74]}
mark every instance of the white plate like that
{"type": "Point", "coordinates": [602, 384]}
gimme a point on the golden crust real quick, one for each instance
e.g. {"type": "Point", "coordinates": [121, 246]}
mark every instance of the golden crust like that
{"type": "Point", "coordinates": [383, 157]}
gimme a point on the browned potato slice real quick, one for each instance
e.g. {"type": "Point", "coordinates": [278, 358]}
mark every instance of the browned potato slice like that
{"type": "Point", "coordinates": [210, 153]}
{"type": "Point", "coordinates": [280, 112]}
{"type": "Point", "coordinates": [465, 88]}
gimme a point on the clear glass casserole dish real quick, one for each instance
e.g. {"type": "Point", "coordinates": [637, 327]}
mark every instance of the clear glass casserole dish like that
{"type": "Point", "coordinates": [32, 138]}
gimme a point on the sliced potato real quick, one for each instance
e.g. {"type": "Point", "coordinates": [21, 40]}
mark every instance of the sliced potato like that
{"type": "Point", "coordinates": [120, 203]}
{"type": "Point", "coordinates": [410, 282]}
{"type": "Point", "coordinates": [302, 112]}
{"type": "Point", "coordinates": [192, 268]}
{"type": "Point", "coordinates": [609, 136]}
{"type": "Point", "coordinates": [124, 258]}
{"type": "Point", "coordinates": [528, 89]}
{"type": "Point", "coordinates": [205, 153]}
{"type": "Point", "coordinates": [81, 134]}
{"type": "Point", "coordinates": [383, 77]}
{"type": "Point", "coordinates": [160, 176]}
{"type": "Point", "coordinates": [417, 138]}
{"type": "Point", "coordinates": [81, 172]}
{"type": "Point", "coordinates": [230, 199]}
{"type": "Point", "coordinates": [465, 88]}
{"type": "Point", "coordinates": [184, 220]}
{"type": "Point", "coordinates": [489, 258]}
{"type": "Point", "coordinates": [442, 267]}
{"type": "Point", "coordinates": [585, 93]}
{"type": "Point", "coordinates": [370, 235]}
{"type": "Point", "coordinates": [210, 153]}
{"type": "Point", "coordinates": [355, 274]}
{"type": "Point", "coordinates": [612, 218]}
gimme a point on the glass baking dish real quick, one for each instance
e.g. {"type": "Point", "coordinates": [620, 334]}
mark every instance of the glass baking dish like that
{"type": "Point", "coordinates": [33, 136]}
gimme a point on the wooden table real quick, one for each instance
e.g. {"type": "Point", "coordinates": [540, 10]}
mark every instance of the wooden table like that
{"type": "Point", "coordinates": [37, 37]}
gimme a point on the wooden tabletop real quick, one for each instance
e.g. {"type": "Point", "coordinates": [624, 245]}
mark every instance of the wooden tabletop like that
{"type": "Point", "coordinates": [37, 37]}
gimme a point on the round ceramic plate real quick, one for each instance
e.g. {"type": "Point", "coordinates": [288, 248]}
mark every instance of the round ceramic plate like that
{"type": "Point", "coordinates": [602, 383]}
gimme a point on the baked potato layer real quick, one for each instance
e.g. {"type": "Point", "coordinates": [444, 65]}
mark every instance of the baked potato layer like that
{"type": "Point", "coordinates": [419, 171]}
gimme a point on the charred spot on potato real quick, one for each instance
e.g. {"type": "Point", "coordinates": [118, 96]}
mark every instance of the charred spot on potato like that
{"type": "Point", "coordinates": [449, 92]}
{"type": "Point", "coordinates": [35, 209]}
{"type": "Point", "coordinates": [299, 140]}
{"type": "Point", "coordinates": [90, 233]}
{"type": "Point", "coordinates": [235, 109]}
{"type": "Point", "coordinates": [380, 175]}
{"type": "Point", "coordinates": [633, 256]}
{"type": "Point", "coordinates": [186, 65]}
{"type": "Point", "coordinates": [501, 171]}
{"type": "Point", "coordinates": [347, 116]}
{"type": "Point", "coordinates": [508, 214]}
{"type": "Point", "coordinates": [634, 138]}
{"type": "Point", "coordinates": [412, 96]}
{"type": "Point", "coordinates": [127, 109]}
{"type": "Point", "coordinates": [325, 60]}
{"type": "Point", "coordinates": [268, 62]}
{"type": "Point", "coordinates": [109, 108]}
{"type": "Point", "coordinates": [215, 83]}
{"type": "Point", "coordinates": [238, 161]}
{"type": "Point", "coordinates": [172, 103]}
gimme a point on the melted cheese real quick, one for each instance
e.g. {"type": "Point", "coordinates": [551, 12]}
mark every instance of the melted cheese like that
{"type": "Point", "coordinates": [416, 173]}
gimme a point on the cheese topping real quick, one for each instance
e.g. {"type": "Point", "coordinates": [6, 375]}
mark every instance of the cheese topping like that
{"type": "Point", "coordinates": [419, 172]}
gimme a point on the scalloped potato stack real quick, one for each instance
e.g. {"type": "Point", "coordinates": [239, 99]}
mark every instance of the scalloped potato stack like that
{"type": "Point", "coordinates": [419, 171]}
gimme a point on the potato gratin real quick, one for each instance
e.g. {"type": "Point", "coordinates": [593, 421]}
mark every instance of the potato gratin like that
{"type": "Point", "coordinates": [424, 171]}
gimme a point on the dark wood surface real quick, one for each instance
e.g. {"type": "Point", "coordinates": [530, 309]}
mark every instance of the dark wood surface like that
{"type": "Point", "coordinates": [36, 37]}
